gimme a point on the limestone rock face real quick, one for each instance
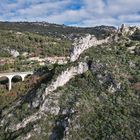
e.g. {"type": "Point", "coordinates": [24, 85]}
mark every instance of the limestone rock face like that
{"type": "Point", "coordinates": [83, 44]}
{"type": "Point", "coordinates": [63, 78]}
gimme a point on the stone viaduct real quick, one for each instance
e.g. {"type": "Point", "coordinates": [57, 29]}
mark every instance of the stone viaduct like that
{"type": "Point", "coordinates": [13, 74]}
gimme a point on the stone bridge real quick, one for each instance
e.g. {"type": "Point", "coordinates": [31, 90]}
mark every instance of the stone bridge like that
{"type": "Point", "coordinates": [13, 74]}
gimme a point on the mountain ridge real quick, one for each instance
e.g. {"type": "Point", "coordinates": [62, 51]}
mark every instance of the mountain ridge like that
{"type": "Point", "coordinates": [89, 96]}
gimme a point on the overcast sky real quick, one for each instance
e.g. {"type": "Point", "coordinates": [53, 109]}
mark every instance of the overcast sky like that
{"type": "Point", "coordinates": [72, 12]}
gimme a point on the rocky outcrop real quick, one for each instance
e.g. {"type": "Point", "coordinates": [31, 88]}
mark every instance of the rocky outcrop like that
{"type": "Point", "coordinates": [127, 30]}
{"type": "Point", "coordinates": [13, 52]}
{"type": "Point", "coordinates": [83, 44]}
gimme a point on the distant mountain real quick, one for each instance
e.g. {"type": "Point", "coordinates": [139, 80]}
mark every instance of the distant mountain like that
{"type": "Point", "coordinates": [56, 30]}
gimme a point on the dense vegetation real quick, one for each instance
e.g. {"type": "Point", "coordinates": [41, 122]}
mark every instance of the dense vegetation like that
{"type": "Point", "coordinates": [101, 104]}
{"type": "Point", "coordinates": [35, 44]}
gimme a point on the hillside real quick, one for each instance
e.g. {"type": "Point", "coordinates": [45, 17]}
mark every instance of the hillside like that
{"type": "Point", "coordinates": [56, 30]}
{"type": "Point", "coordinates": [94, 95]}
{"type": "Point", "coordinates": [22, 40]}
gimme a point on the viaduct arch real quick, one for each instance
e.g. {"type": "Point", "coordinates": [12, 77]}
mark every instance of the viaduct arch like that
{"type": "Point", "coordinates": [13, 74]}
